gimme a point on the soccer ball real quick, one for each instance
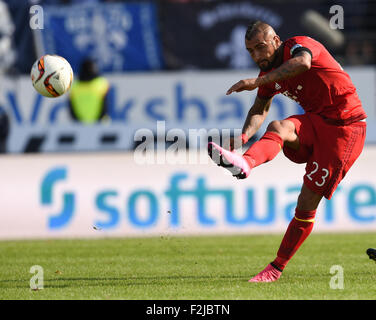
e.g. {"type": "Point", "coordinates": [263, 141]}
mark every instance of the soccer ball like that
{"type": "Point", "coordinates": [51, 75]}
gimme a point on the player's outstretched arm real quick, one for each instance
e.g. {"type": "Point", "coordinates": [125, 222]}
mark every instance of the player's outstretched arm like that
{"type": "Point", "coordinates": [256, 116]}
{"type": "Point", "coordinates": [300, 63]}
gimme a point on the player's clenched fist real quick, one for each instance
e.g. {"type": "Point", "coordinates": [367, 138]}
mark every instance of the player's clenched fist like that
{"type": "Point", "coordinates": [246, 84]}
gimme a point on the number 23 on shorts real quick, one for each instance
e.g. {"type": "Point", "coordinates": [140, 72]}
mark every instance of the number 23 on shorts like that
{"type": "Point", "coordinates": [321, 178]}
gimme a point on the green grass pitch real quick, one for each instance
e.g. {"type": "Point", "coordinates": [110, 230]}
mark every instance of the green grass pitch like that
{"type": "Point", "coordinates": [193, 268]}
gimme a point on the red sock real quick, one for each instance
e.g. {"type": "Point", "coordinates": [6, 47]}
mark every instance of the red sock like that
{"type": "Point", "coordinates": [298, 230]}
{"type": "Point", "coordinates": [264, 150]}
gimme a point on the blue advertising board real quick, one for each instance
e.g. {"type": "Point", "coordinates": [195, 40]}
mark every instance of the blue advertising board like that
{"type": "Point", "coordinates": [120, 37]}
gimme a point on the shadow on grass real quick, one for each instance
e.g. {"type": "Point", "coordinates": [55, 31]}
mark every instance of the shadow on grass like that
{"type": "Point", "coordinates": [130, 281]}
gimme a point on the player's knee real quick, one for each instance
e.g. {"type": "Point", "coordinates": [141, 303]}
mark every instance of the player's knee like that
{"type": "Point", "coordinates": [274, 126]}
{"type": "Point", "coordinates": [282, 127]}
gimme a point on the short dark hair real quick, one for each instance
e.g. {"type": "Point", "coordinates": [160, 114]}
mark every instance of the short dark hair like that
{"type": "Point", "coordinates": [256, 28]}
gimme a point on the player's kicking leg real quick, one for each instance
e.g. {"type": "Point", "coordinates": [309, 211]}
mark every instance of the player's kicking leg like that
{"type": "Point", "coordinates": [264, 150]}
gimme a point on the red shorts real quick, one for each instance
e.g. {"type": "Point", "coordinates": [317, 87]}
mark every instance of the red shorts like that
{"type": "Point", "coordinates": [329, 150]}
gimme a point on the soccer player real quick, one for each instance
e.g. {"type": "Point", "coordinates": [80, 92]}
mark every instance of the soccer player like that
{"type": "Point", "coordinates": [328, 137]}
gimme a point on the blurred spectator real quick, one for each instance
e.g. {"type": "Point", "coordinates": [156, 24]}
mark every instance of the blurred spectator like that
{"type": "Point", "coordinates": [352, 53]}
{"type": "Point", "coordinates": [360, 53]}
{"type": "Point", "coordinates": [4, 130]}
{"type": "Point", "coordinates": [7, 53]}
{"type": "Point", "coordinates": [88, 95]}
{"type": "Point", "coordinates": [368, 52]}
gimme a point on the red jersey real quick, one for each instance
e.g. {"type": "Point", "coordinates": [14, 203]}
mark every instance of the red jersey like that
{"type": "Point", "coordinates": [325, 89]}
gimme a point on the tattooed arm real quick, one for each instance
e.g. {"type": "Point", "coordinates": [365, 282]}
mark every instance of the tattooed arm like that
{"type": "Point", "coordinates": [255, 118]}
{"type": "Point", "coordinates": [291, 68]}
{"type": "Point", "coordinates": [300, 63]}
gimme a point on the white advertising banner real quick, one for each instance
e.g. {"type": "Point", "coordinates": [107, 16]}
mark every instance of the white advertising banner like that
{"type": "Point", "coordinates": [108, 195]}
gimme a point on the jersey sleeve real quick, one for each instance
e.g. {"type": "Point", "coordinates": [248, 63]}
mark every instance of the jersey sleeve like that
{"type": "Point", "coordinates": [266, 91]}
{"type": "Point", "coordinates": [298, 44]}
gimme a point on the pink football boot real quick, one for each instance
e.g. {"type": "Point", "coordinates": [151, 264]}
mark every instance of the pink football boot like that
{"type": "Point", "coordinates": [232, 161]}
{"type": "Point", "coordinates": [269, 274]}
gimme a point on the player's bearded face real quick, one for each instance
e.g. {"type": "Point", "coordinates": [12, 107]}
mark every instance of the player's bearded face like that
{"type": "Point", "coordinates": [263, 52]}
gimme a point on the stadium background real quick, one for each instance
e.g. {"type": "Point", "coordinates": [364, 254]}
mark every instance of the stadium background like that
{"type": "Point", "coordinates": [167, 61]}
